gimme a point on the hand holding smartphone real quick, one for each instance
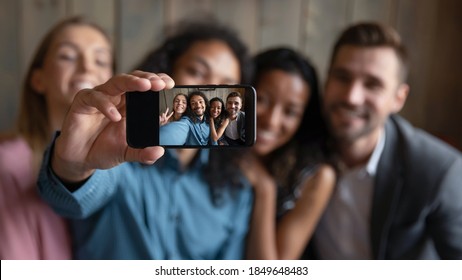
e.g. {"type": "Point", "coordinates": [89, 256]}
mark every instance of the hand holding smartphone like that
{"type": "Point", "coordinates": [207, 116]}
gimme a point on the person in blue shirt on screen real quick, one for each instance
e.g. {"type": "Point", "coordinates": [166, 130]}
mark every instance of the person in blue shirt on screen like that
{"type": "Point", "coordinates": [193, 129]}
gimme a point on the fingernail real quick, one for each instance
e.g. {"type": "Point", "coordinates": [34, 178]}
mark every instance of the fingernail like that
{"type": "Point", "coordinates": [113, 111]}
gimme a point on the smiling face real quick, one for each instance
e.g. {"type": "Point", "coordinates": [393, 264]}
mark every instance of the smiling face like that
{"type": "Point", "coordinates": [233, 106]}
{"type": "Point", "coordinates": [179, 104]}
{"type": "Point", "coordinates": [215, 109]}
{"type": "Point", "coordinates": [363, 88]}
{"type": "Point", "coordinates": [79, 57]}
{"type": "Point", "coordinates": [198, 105]}
{"type": "Point", "coordinates": [281, 101]}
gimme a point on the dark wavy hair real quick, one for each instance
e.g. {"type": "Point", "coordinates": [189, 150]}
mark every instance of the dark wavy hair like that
{"type": "Point", "coordinates": [188, 32]}
{"type": "Point", "coordinates": [308, 146]}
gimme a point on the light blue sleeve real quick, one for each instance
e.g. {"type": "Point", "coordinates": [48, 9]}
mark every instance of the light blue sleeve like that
{"type": "Point", "coordinates": [90, 197]}
{"type": "Point", "coordinates": [174, 133]}
{"type": "Point", "coordinates": [235, 246]}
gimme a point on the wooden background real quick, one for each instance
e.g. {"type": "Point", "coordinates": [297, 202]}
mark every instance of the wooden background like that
{"type": "Point", "coordinates": [432, 30]}
{"type": "Point", "coordinates": [166, 97]}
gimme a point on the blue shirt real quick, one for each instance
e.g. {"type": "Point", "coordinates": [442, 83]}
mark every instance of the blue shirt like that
{"type": "Point", "coordinates": [136, 211]}
{"type": "Point", "coordinates": [185, 132]}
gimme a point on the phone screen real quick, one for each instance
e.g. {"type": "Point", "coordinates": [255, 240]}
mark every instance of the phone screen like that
{"type": "Point", "coordinates": [210, 116]}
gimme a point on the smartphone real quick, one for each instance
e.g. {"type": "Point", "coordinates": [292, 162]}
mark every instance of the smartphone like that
{"type": "Point", "coordinates": [146, 114]}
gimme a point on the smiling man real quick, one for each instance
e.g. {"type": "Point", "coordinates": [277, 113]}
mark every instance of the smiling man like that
{"type": "Point", "coordinates": [235, 131]}
{"type": "Point", "coordinates": [398, 194]}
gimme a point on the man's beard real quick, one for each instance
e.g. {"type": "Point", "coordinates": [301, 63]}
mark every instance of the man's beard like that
{"type": "Point", "coordinates": [346, 134]}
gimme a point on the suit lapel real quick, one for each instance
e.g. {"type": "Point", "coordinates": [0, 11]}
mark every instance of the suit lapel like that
{"type": "Point", "coordinates": [388, 185]}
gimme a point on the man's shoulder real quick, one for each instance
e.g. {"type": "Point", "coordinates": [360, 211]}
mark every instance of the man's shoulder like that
{"type": "Point", "coordinates": [419, 149]}
{"type": "Point", "coordinates": [420, 141]}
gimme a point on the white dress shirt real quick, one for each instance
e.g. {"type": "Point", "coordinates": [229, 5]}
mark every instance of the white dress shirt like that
{"type": "Point", "coordinates": [344, 230]}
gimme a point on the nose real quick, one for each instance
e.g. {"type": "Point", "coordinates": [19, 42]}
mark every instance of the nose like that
{"type": "Point", "coordinates": [85, 63]}
{"type": "Point", "coordinates": [213, 81]}
{"type": "Point", "coordinates": [354, 94]}
{"type": "Point", "coordinates": [271, 117]}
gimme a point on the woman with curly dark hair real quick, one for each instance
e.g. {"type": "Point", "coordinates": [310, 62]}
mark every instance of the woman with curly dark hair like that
{"type": "Point", "coordinates": [218, 120]}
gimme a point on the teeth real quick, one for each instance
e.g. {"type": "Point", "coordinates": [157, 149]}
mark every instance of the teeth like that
{"type": "Point", "coordinates": [266, 135]}
{"type": "Point", "coordinates": [82, 85]}
{"type": "Point", "coordinates": [350, 113]}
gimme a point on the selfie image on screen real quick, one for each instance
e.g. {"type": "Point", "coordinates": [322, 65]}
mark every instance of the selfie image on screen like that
{"type": "Point", "coordinates": [202, 117]}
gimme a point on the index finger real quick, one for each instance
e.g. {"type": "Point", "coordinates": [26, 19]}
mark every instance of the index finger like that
{"type": "Point", "coordinates": [121, 83]}
{"type": "Point", "coordinates": [158, 81]}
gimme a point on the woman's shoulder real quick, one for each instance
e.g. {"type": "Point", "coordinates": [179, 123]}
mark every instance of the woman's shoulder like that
{"type": "Point", "coordinates": [14, 152]}
{"type": "Point", "coordinates": [325, 170]}
{"type": "Point", "coordinates": [16, 168]}
{"type": "Point", "coordinates": [224, 121]}
{"type": "Point", "coordinates": [13, 145]}
{"type": "Point", "coordinates": [320, 171]}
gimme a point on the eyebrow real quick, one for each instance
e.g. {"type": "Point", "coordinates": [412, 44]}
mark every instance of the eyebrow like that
{"type": "Point", "coordinates": [203, 62]}
{"type": "Point", "coordinates": [74, 46]}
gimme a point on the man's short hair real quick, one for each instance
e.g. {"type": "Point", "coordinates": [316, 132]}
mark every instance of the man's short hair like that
{"type": "Point", "coordinates": [373, 34]}
{"type": "Point", "coordinates": [234, 94]}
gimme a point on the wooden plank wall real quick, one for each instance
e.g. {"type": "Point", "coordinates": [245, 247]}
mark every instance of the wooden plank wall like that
{"type": "Point", "coordinates": [166, 99]}
{"type": "Point", "coordinates": [431, 29]}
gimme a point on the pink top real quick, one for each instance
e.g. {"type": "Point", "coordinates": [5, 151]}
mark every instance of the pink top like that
{"type": "Point", "coordinates": [29, 229]}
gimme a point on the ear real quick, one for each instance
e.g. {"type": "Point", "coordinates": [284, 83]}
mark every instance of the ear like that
{"type": "Point", "coordinates": [37, 82]}
{"type": "Point", "coordinates": [400, 97]}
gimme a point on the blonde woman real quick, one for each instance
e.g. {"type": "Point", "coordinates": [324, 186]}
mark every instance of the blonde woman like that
{"type": "Point", "coordinates": [74, 55]}
{"type": "Point", "coordinates": [179, 108]}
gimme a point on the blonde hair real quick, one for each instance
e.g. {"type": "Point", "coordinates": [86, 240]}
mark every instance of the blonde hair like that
{"type": "Point", "coordinates": [33, 122]}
